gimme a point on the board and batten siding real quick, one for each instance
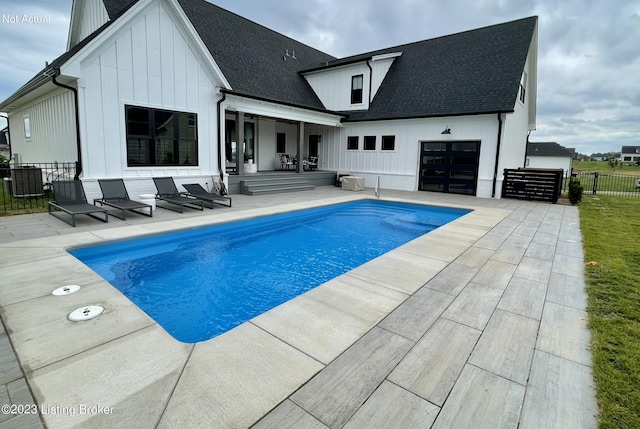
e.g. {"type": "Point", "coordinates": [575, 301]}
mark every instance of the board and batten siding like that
{"type": "Point", "coordinates": [94, 15]}
{"type": "Point", "coordinates": [149, 63]}
{"type": "Point", "coordinates": [399, 169]}
{"type": "Point", "coordinates": [333, 86]}
{"type": "Point", "coordinates": [53, 129]}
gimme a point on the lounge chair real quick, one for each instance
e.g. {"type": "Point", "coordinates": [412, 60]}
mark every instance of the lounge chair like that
{"type": "Point", "coordinates": [70, 198]}
{"type": "Point", "coordinates": [197, 191]}
{"type": "Point", "coordinates": [168, 193]}
{"type": "Point", "coordinates": [114, 194]}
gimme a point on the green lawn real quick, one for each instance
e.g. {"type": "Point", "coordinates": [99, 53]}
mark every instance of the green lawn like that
{"type": "Point", "coordinates": [611, 231]}
{"type": "Point", "coordinates": [604, 167]}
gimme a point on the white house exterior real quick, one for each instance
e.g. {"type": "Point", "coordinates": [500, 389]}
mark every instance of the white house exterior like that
{"type": "Point", "coordinates": [162, 88]}
{"type": "Point", "coordinates": [630, 154]}
{"type": "Point", "coordinates": [549, 155]}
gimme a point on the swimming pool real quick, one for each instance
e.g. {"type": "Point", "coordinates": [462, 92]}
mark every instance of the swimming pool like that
{"type": "Point", "coordinates": [202, 282]}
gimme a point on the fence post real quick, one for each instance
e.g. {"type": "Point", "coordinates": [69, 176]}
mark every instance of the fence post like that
{"type": "Point", "coordinates": [595, 183]}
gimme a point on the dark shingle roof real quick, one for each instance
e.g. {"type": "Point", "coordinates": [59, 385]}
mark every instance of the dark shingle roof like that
{"type": "Point", "coordinates": [116, 8]}
{"type": "Point", "coordinates": [473, 72]}
{"type": "Point", "coordinates": [630, 149]}
{"type": "Point", "coordinates": [547, 149]}
{"type": "Point", "coordinates": [251, 56]}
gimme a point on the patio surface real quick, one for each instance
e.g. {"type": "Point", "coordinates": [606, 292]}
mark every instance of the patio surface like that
{"type": "Point", "coordinates": [479, 324]}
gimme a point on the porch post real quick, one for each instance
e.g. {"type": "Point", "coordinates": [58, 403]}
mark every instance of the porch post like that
{"type": "Point", "coordinates": [240, 143]}
{"type": "Point", "coordinates": [299, 168]}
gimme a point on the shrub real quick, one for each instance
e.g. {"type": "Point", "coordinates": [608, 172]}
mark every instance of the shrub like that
{"type": "Point", "coordinates": [575, 191]}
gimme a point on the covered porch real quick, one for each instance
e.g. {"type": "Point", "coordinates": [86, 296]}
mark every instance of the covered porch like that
{"type": "Point", "coordinates": [260, 136]}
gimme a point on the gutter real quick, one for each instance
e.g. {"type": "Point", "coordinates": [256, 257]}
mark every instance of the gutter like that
{"type": "Point", "coordinates": [54, 75]}
{"type": "Point", "coordinates": [495, 171]}
{"type": "Point", "coordinates": [9, 136]}
{"type": "Point", "coordinates": [224, 96]}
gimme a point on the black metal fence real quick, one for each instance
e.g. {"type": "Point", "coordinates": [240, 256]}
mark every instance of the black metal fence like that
{"type": "Point", "coordinates": [610, 184]}
{"type": "Point", "coordinates": [28, 187]}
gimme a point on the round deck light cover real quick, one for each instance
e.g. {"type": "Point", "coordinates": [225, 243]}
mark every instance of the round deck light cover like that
{"type": "Point", "coordinates": [86, 313]}
{"type": "Point", "coordinates": [65, 290]}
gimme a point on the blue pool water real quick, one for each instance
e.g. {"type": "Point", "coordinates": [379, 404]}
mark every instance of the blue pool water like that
{"type": "Point", "coordinates": [202, 282]}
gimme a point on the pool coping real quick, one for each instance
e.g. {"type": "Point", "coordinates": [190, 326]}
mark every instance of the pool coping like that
{"type": "Point", "coordinates": [139, 374]}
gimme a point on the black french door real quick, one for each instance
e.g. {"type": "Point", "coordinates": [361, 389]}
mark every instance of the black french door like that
{"type": "Point", "coordinates": [450, 167]}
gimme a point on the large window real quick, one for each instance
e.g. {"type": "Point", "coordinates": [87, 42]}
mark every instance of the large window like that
{"type": "Point", "coordinates": [353, 143]}
{"type": "Point", "coordinates": [161, 137]}
{"type": "Point", "coordinates": [356, 89]}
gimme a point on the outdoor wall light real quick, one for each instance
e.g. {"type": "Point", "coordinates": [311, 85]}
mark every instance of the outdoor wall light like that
{"type": "Point", "coordinates": [447, 130]}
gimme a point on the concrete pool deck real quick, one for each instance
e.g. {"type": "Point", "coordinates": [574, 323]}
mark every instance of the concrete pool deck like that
{"type": "Point", "coordinates": [480, 323]}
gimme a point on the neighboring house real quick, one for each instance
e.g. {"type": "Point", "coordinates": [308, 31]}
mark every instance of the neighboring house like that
{"type": "Point", "coordinates": [165, 87]}
{"type": "Point", "coordinates": [630, 154]}
{"type": "Point", "coordinates": [549, 155]}
{"type": "Point", "coordinates": [599, 156]}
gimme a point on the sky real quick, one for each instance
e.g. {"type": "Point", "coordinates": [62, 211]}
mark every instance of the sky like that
{"type": "Point", "coordinates": [588, 50]}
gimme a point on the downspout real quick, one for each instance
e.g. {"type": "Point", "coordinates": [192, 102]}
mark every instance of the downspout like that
{"type": "Point", "coordinates": [524, 163]}
{"type": "Point", "coordinates": [370, 81]}
{"type": "Point", "coordinates": [224, 96]}
{"type": "Point", "coordinates": [8, 136]}
{"type": "Point", "coordinates": [56, 73]}
{"type": "Point", "coordinates": [495, 171]}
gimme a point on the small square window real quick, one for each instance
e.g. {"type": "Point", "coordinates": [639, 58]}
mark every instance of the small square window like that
{"type": "Point", "coordinates": [388, 143]}
{"type": "Point", "coordinates": [353, 143]}
{"type": "Point", "coordinates": [369, 142]}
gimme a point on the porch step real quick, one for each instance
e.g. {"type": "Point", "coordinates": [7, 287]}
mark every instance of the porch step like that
{"type": "Point", "coordinates": [274, 185]}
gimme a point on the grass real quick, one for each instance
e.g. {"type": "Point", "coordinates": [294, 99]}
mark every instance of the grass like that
{"type": "Point", "coordinates": [10, 206]}
{"type": "Point", "coordinates": [621, 178]}
{"type": "Point", "coordinates": [611, 230]}
{"type": "Point", "coordinates": [604, 167]}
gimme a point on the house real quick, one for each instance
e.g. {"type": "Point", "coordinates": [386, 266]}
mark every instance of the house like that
{"type": "Point", "coordinates": [630, 154]}
{"type": "Point", "coordinates": [549, 155]}
{"type": "Point", "coordinates": [187, 89]}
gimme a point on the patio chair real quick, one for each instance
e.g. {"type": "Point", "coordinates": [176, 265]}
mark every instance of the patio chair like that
{"type": "Point", "coordinates": [115, 195]}
{"type": "Point", "coordinates": [285, 162]}
{"type": "Point", "coordinates": [69, 197]}
{"type": "Point", "coordinates": [168, 193]}
{"type": "Point", "coordinates": [197, 191]}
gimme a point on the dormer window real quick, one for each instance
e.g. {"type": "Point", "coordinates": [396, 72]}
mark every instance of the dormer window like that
{"type": "Point", "coordinates": [356, 89]}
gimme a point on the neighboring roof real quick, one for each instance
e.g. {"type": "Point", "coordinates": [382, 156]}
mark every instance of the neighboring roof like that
{"type": "Point", "coordinates": [630, 149]}
{"type": "Point", "coordinates": [473, 72]}
{"type": "Point", "coordinates": [547, 149]}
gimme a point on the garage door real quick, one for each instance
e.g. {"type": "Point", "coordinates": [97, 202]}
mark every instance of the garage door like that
{"type": "Point", "coordinates": [449, 167]}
